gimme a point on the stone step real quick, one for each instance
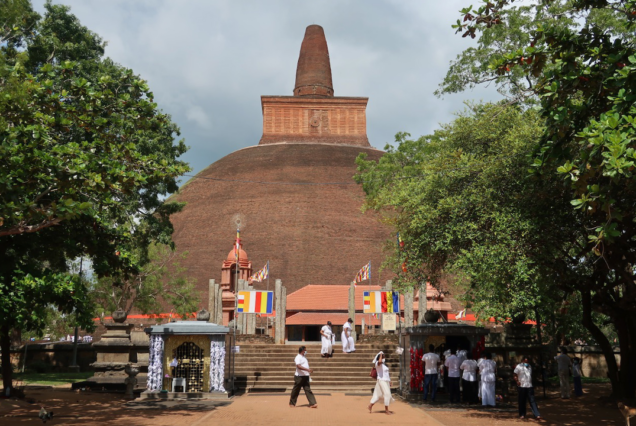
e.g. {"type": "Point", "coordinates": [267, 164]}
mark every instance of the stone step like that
{"type": "Point", "coordinates": [290, 383]}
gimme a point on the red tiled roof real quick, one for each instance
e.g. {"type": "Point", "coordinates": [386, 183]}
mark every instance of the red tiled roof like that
{"type": "Point", "coordinates": [316, 297]}
{"type": "Point", "coordinates": [321, 318]}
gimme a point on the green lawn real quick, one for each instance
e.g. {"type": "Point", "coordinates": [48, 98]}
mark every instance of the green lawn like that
{"type": "Point", "coordinates": [52, 379]}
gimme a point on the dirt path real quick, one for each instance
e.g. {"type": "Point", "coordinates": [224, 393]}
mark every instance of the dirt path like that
{"type": "Point", "coordinates": [73, 408]}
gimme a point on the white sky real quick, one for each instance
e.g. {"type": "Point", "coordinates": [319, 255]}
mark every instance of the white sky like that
{"type": "Point", "coordinates": [208, 62]}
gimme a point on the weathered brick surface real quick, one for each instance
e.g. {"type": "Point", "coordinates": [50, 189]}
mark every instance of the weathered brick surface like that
{"type": "Point", "coordinates": [310, 234]}
{"type": "Point", "coordinates": [313, 73]}
{"type": "Point", "coordinates": [340, 120]}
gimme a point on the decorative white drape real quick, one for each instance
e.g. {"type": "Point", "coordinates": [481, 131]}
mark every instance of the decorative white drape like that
{"type": "Point", "coordinates": [217, 366]}
{"type": "Point", "coordinates": [155, 364]}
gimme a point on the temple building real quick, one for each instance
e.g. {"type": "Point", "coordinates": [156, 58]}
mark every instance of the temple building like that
{"type": "Point", "coordinates": [295, 190]}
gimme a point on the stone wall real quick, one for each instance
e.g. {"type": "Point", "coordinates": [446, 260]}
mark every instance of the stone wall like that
{"type": "Point", "coordinates": [58, 355]}
{"type": "Point", "coordinates": [259, 339]}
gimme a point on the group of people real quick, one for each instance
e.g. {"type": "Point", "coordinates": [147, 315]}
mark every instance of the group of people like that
{"type": "Point", "coordinates": [477, 377]}
{"type": "Point", "coordinates": [302, 379]}
{"type": "Point", "coordinates": [328, 339]}
{"type": "Point", "coordinates": [565, 364]}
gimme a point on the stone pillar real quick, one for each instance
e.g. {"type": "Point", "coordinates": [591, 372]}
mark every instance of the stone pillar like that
{"type": "Point", "coordinates": [408, 308]}
{"type": "Point", "coordinates": [421, 305]}
{"type": "Point", "coordinates": [279, 332]}
{"type": "Point", "coordinates": [352, 309]}
{"type": "Point", "coordinates": [363, 327]}
{"type": "Point", "coordinates": [219, 303]}
{"type": "Point", "coordinates": [283, 316]}
{"type": "Point", "coordinates": [212, 300]}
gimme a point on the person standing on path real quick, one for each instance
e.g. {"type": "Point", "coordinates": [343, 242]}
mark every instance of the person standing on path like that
{"type": "Point", "coordinates": [326, 333]}
{"type": "Point", "coordinates": [347, 340]}
{"type": "Point", "coordinates": [564, 362]}
{"type": "Point", "coordinates": [488, 371]}
{"type": "Point", "coordinates": [469, 379]}
{"type": "Point", "coordinates": [301, 380]}
{"type": "Point", "coordinates": [383, 384]}
{"type": "Point", "coordinates": [523, 377]}
{"type": "Point", "coordinates": [452, 363]}
{"type": "Point", "coordinates": [576, 376]}
{"type": "Point", "coordinates": [431, 363]}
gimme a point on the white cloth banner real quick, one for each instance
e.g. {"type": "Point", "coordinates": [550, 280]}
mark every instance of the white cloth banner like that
{"type": "Point", "coordinates": [217, 366]}
{"type": "Point", "coordinates": [155, 364]}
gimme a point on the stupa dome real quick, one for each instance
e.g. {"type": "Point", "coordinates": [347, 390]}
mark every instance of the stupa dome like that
{"type": "Point", "coordinates": [295, 190]}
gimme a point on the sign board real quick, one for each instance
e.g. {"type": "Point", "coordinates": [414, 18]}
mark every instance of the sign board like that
{"type": "Point", "coordinates": [388, 322]}
{"type": "Point", "coordinates": [378, 302]}
{"type": "Point", "coordinates": [255, 302]}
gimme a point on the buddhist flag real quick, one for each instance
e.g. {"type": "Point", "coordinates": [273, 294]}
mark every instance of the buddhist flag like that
{"type": "Point", "coordinates": [261, 275]}
{"type": "Point", "coordinates": [364, 273]}
{"type": "Point", "coordinates": [255, 302]}
{"type": "Point", "coordinates": [378, 302]}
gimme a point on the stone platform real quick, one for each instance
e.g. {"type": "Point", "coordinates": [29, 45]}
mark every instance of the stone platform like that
{"type": "Point", "coordinates": [184, 395]}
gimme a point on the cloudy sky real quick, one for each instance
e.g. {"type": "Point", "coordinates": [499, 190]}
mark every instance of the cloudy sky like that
{"type": "Point", "coordinates": [209, 61]}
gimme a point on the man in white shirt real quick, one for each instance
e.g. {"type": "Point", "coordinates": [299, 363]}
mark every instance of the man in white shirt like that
{"type": "Point", "coordinates": [452, 363]}
{"type": "Point", "coordinates": [325, 332]}
{"type": "Point", "coordinates": [431, 363]}
{"type": "Point", "coordinates": [564, 363]}
{"type": "Point", "coordinates": [301, 379]}
{"type": "Point", "coordinates": [523, 377]}
{"type": "Point", "coordinates": [469, 379]}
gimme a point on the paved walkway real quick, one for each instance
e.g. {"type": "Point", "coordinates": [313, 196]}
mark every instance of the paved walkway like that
{"type": "Point", "coordinates": [333, 409]}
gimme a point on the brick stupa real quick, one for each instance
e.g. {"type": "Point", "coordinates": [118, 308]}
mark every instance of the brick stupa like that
{"type": "Point", "coordinates": [295, 190]}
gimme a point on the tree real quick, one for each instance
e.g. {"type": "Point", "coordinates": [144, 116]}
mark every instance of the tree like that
{"type": "Point", "coordinates": [160, 282]}
{"type": "Point", "coordinates": [585, 82]}
{"type": "Point", "coordinates": [467, 207]}
{"type": "Point", "coordinates": [86, 159]}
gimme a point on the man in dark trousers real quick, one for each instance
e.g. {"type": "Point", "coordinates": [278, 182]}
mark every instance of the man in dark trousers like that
{"type": "Point", "coordinates": [523, 377]}
{"type": "Point", "coordinates": [301, 380]}
{"type": "Point", "coordinates": [452, 364]}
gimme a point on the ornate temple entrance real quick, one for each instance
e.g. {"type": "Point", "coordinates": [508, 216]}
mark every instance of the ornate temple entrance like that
{"type": "Point", "coordinates": [190, 365]}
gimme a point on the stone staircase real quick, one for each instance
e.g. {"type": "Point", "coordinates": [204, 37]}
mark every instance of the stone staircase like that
{"type": "Point", "coordinates": [262, 368]}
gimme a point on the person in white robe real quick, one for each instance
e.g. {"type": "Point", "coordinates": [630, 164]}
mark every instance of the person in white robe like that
{"type": "Point", "coordinates": [347, 340]}
{"type": "Point", "coordinates": [488, 371]}
{"type": "Point", "coordinates": [382, 389]}
{"type": "Point", "coordinates": [326, 333]}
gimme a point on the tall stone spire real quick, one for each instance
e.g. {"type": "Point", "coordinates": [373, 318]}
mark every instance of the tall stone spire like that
{"type": "Point", "coordinates": [313, 74]}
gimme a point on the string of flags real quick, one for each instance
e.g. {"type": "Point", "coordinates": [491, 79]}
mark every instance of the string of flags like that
{"type": "Point", "coordinates": [363, 274]}
{"type": "Point", "coordinates": [261, 275]}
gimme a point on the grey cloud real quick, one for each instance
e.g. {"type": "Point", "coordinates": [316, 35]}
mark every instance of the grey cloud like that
{"type": "Point", "coordinates": [208, 62]}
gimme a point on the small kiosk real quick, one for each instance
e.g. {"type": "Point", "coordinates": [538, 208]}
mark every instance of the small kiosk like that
{"type": "Point", "coordinates": [415, 341]}
{"type": "Point", "coordinates": [186, 357]}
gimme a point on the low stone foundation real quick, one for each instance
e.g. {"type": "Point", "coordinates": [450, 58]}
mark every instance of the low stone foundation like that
{"type": "Point", "coordinates": [258, 339]}
{"type": "Point", "coordinates": [378, 338]}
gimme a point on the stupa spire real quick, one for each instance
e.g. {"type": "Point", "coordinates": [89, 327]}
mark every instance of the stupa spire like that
{"type": "Point", "coordinates": [313, 74]}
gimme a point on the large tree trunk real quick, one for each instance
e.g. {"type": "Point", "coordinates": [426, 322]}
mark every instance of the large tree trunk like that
{"type": "Point", "coordinates": [7, 370]}
{"type": "Point", "coordinates": [623, 344]}
{"type": "Point", "coordinates": [601, 339]}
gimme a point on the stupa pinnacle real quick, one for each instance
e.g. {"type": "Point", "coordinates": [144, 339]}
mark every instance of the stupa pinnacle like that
{"type": "Point", "coordinates": [313, 74]}
{"type": "Point", "coordinates": [314, 115]}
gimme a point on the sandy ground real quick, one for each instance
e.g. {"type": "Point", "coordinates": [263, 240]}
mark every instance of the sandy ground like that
{"type": "Point", "coordinates": [81, 408]}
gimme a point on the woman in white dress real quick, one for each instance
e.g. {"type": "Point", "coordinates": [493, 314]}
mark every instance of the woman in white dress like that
{"type": "Point", "coordinates": [382, 389]}
{"type": "Point", "coordinates": [347, 340]}
{"type": "Point", "coordinates": [488, 372]}
{"type": "Point", "coordinates": [326, 333]}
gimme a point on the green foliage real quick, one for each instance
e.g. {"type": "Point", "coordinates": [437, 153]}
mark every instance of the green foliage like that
{"type": "Point", "coordinates": [467, 212]}
{"type": "Point", "coordinates": [160, 282]}
{"type": "Point", "coordinates": [86, 161]}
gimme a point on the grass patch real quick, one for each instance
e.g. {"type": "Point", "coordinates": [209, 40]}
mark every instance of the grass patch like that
{"type": "Point", "coordinates": [52, 379]}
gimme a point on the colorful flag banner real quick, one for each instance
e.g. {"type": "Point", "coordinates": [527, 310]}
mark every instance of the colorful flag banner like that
{"type": "Point", "coordinates": [261, 275]}
{"type": "Point", "coordinates": [364, 273]}
{"type": "Point", "coordinates": [255, 302]}
{"type": "Point", "coordinates": [461, 314]}
{"type": "Point", "coordinates": [237, 247]}
{"type": "Point", "coordinates": [378, 302]}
